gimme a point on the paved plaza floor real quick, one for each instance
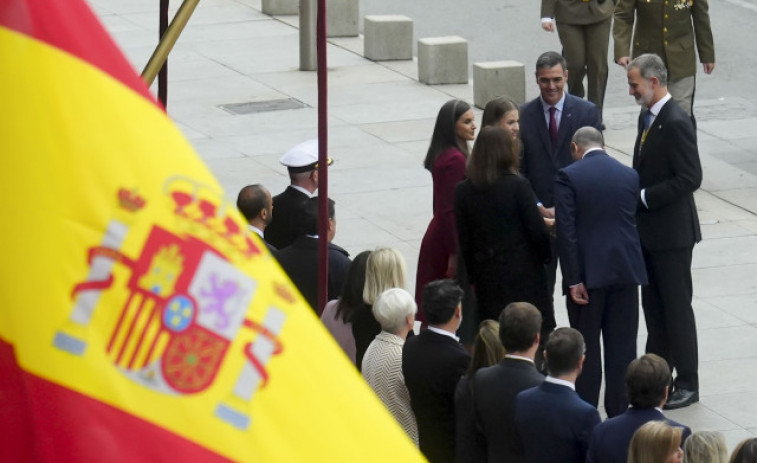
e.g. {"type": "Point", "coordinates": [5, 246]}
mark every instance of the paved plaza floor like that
{"type": "Point", "coordinates": [380, 123]}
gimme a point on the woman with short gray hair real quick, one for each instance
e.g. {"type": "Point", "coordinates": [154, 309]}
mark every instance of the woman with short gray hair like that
{"type": "Point", "coordinates": [382, 364]}
{"type": "Point", "coordinates": [705, 447]}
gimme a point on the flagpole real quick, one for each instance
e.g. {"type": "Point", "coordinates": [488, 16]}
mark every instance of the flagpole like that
{"type": "Point", "coordinates": [160, 55]}
{"type": "Point", "coordinates": [163, 74]}
{"type": "Point", "coordinates": [323, 182]}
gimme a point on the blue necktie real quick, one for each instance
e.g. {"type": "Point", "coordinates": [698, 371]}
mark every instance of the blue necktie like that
{"type": "Point", "coordinates": [647, 119]}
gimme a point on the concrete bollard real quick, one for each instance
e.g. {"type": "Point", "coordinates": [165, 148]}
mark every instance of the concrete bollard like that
{"type": "Point", "coordinates": [443, 60]}
{"type": "Point", "coordinates": [275, 7]}
{"type": "Point", "coordinates": [342, 17]}
{"type": "Point", "coordinates": [387, 37]}
{"type": "Point", "coordinates": [498, 78]}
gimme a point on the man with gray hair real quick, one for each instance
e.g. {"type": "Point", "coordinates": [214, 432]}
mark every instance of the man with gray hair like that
{"type": "Point", "coordinates": [667, 161]}
{"type": "Point", "coordinates": [601, 262]}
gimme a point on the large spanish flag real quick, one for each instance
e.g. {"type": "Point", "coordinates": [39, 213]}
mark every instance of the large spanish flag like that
{"type": "Point", "coordinates": [139, 321]}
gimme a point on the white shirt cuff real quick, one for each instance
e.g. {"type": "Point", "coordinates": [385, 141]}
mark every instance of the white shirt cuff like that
{"type": "Point", "coordinates": [546, 20]}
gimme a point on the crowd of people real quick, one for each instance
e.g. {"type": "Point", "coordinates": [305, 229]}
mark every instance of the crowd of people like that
{"type": "Point", "coordinates": [536, 187]}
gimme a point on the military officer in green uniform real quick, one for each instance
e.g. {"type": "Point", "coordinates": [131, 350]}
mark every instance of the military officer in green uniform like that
{"type": "Point", "coordinates": [669, 29]}
{"type": "Point", "coordinates": [584, 30]}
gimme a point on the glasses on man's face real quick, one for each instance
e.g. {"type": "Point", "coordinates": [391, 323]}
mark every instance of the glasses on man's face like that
{"type": "Point", "coordinates": [548, 80]}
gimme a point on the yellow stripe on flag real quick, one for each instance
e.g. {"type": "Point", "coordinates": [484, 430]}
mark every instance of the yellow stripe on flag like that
{"type": "Point", "coordinates": [107, 210]}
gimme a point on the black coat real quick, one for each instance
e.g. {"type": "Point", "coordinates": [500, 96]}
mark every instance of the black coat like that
{"type": "Point", "coordinates": [364, 329]}
{"type": "Point", "coordinates": [493, 436]}
{"type": "Point", "coordinates": [670, 171]}
{"type": "Point", "coordinates": [505, 244]}
{"type": "Point", "coordinates": [432, 365]}
{"type": "Point", "coordinates": [288, 218]}
{"type": "Point", "coordinates": [300, 262]}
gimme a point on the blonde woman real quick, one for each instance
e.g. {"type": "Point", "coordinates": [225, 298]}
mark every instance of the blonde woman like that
{"type": "Point", "coordinates": [384, 269]}
{"type": "Point", "coordinates": [705, 447]}
{"type": "Point", "coordinates": [656, 442]}
{"type": "Point", "coordinates": [487, 351]}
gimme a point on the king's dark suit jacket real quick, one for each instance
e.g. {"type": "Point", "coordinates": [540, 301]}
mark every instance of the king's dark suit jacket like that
{"type": "Point", "coordinates": [596, 200]}
{"type": "Point", "coordinates": [494, 391]}
{"type": "Point", "coordinates": [554, 424]}
{"type": "Point", "coordinates": [288, 218]}
{"type": "Point", "coordinates": [432, 364]}
{"type": "Point", "coordinates": [670, 171]}
{"type": "Point", "coordinates": [541, 160]}
{"type": "Point", "coordinates": [610, 439]}
{"type": "Point", "coordinates": [300, 262]}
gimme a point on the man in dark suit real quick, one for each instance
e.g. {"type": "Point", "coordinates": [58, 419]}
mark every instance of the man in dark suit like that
{"type": "Point", "coordinates": [300, 260]}
{"type": "Point", "coordinates": [256, 205]}
{"type": "Point", "coordinates": [432, 364]}
{"type": "Point", "coordinates": [547, 124]}
{"type": "Point", "coordinates": [667, 160]}
{"type": "Point", "coordinates": [495, 388]}
{"type": "Point", "coordinates": [601, 262]}
{"type": "Point", "coordinates": [553, 422]}
{"type": "Point", "coordinates": [647, 382]}
{"type": "Point", "coordinates": [289, 224]}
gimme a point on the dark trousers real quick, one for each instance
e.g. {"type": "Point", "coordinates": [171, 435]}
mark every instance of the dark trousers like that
{"type": "Point", "coordinates": [670, 317]}
{"type": "Point", "coordinates": [613, 312]}
{"type": "Point", "coordinates": [551, 267]}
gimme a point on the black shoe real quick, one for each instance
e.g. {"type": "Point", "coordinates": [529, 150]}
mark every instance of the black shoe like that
{"type": "Point", "coordinates": [681, 398]}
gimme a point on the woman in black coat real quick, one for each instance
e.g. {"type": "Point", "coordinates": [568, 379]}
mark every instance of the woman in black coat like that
{"type": "Point", "coordinates": [503, 238]}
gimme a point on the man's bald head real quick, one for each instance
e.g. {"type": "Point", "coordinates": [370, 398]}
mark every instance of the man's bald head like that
{"type": "Point", "coordinates": [584, 139]}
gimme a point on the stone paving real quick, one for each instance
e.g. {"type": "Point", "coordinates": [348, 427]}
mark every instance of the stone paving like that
{"type": "Point", "coordinates": [380, 123]}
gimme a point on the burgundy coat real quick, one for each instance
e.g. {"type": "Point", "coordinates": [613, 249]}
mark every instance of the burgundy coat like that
{"type": "Point", "coordinates": [440, 240]}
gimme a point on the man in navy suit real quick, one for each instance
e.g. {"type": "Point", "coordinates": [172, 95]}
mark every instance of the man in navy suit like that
{"type": "Point", "coordinates": [547, 124]}
{"type": "Point", "coordinates": [601, 262]}
{"type": "Point", "coordinates": [552, 421]}
{"type": "Point", "coordinates": [432, 364]}
{"type": "Point", "coordinates": [667, 160]}
{"type": "Point", "coordinates": [647, 382]}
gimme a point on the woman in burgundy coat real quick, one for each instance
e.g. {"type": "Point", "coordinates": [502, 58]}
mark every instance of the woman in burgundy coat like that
{"type": "Point", "coordinates": [445, 159]}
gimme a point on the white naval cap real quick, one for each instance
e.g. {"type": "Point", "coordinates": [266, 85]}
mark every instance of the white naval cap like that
{"type": "Point", "coordinates": [303, 157]}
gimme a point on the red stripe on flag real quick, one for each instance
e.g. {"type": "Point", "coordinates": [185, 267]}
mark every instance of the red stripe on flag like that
{"type": "Point", "coordinates": [71, 26]}
{"type": "Point", "coordinates": [45, 422]}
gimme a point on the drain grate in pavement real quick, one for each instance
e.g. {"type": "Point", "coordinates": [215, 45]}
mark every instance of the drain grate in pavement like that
{"type": "Point", "coordinates": [251, 107]}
